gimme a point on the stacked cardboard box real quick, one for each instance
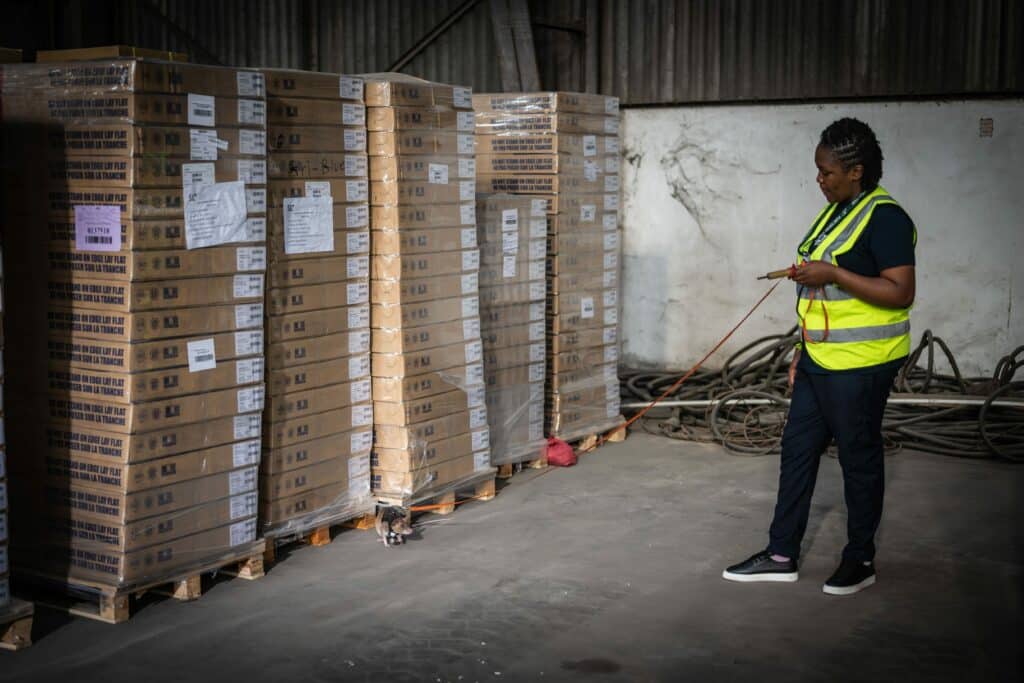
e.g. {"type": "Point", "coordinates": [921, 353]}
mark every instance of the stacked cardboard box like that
{"type": "Point", "coordinates": [565, 146]}
{"type": "Point", "coordinates": [318, 425]}
{"type": "Point", "coordinates": [428, 380]}
{"type": "Point", "coordinates": [512, 232]}
{"type": "Point", "coordinates": [5, 590]}
{"type": "Point", "coordinates": [137, 260]}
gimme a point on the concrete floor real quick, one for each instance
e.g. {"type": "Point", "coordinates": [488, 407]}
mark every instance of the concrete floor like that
{"type": "Point", "coordinates": [607, 571]}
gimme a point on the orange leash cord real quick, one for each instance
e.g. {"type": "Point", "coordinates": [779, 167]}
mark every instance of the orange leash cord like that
{"type": "Point", "coordinates": [803, 319]}
{"type": "Point", "coordinates": [685, 377]}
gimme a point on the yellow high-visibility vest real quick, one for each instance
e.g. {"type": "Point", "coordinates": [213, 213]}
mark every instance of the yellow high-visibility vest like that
{"type": "Point", "coordinates": [859, 334]}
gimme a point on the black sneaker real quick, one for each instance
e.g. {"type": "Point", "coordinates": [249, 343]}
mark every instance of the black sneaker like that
{"type": "Point", "coordinates": [851, 577]}
{"type": "Point", "coordinates": [761, 567]}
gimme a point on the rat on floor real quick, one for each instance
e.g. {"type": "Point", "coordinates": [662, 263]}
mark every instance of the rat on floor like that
{"type": "Point", "coordinates": [393, 524]}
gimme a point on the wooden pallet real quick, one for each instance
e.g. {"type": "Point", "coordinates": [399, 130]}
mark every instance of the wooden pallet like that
{"type": "Point", "coordinates": [113, 604]}
{"type": "Point", "coordinates": [445, 495]}
{"type": "Point", "coordinates": [506, 470]}
{"type": "Point", "coordinates": [16, 625]}
{"type": "Point", "coordinates": [316, 533]}
{"type": "Point", "coordinates": [584, 440]}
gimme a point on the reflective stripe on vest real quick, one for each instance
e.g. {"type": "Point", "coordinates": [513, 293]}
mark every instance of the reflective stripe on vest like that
{"type": "Point", "coordinates": [859, 334]}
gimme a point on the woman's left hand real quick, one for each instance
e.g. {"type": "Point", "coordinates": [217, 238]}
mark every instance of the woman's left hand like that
{"type": "Point", "coordinates": [815, 274]}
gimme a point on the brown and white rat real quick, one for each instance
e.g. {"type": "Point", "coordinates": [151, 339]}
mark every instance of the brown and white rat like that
{"type": "Point", "coordinates": [393, 524]}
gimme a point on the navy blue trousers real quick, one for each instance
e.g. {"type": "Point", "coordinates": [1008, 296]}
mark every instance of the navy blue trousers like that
{"type": "Point", "coordinates": [848, 408]}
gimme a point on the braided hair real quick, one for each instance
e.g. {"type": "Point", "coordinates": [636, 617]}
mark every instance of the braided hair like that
{"type": "Point", "coordinates": [853, 142]}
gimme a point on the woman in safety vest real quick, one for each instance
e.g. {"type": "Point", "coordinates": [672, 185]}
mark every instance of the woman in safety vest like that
{"type": "Point", "coordinates": [855, 287]}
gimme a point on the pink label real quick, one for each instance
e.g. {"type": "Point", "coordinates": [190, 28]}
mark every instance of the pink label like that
{"type": "Point", "coordinates": [97, 227]}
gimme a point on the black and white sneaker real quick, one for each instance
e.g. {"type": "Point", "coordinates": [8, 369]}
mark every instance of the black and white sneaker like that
{"type": "Point", "coordinates": [761, 567]}
{"type": "Point", "coordinates": [851, 577]}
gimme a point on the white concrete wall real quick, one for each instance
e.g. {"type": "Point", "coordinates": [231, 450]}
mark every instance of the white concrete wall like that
{"type": "Point", "coordinates": [715, 196]}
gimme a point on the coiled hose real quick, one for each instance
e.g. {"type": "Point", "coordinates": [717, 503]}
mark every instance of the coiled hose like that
{"type": "Point", "coordinates": [743, 405]}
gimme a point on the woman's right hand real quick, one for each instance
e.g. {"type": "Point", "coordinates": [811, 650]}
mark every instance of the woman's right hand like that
{"type": "Point", "coordinates": [792, 367]}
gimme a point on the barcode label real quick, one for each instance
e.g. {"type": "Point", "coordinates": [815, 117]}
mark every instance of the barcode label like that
{"type": "Point", "coordinates": [355, 140]}
{"type": "Point", "coordinates": [538, 228]}
{"type": "Point", "coordinates": [356, 190]}
{"type": "Point", "coordinates": [248, 426]}
{"type": "Point", "coordinates": [201, 355]}
{"type": "Point", "coordinates": [437, 174]}
{"type": "Point", "coordinates": [468, 238]}
{"type": "Point", "coordinates": [350, 88]}
{"type": "Point", "coordinates": [251, 84]}
{"type": "Point", "coordinates": [317, 188]}
{"type": "Point", "coordinates": [611, 202]}
{"type": "Point", "coordinates": [471, 259]}
{"type": "Point", "coordinates": [248, 315]}
{"type": "Point", "coordinates": [611, 316]}
{"type": "Point", "coordinates": [481, 461]}
{"type": "Point", "coordinates": [467, 190]}
{"type": "Point", "coordinates": [465, 143]}
{"type": "Point", "coordinates": [355, 165]}
{"type": "Point", "coordinates": [196, 175]}
{"type": "Point", "coordinates": [537, 352]}
{"type": "Point", "coordinates": [609, 336]}
{"type": "Point", "coordinates": [537, 309]}
{"type": "Point", "coordinates": [510, 219]}
{"type": "Point", "coordinates": [245, 453]}
{"type": "Point", "coordinates": [249, 342]}
{"type": "Point", "coordinates": [241, 481]}
{"type": "Point", "coordinates": [474, 352]}
{"type": "Point", "coordinates": [243, 505]}
{"type": "Point", "coordinates": [611, 240]}
{"type": "Point", "coordinates": [201, 110]}
{"type": "Point", "coordinates": [538, 250]}
{"type": "Point", "coordinates": [360, 391]}
{"type": "Point", "coordinates": [611, 145]}
{"type": "Point", "coordinates": [252, 141]}
{"type": "Point", "coordinates": [474, 397]}
{"type": "Point", "coordinates": [467, 212]}
{"type": "Point", "coordinates": [248, 286]}
{"type": "Point", "coordinates": [250, 399]}
{"type": "Point", "coordinates": [477, 418]}
{"type": "Point", "coordinates": [536, 270]}
{"type": "Point", "coordinates": [252, 171]}
{"type": "Point", "coordinates": [470, 328]}
{"type": "Point", "coordinates": [357, 216]}
{"type": "Point", "coordinates": [358, 242]}
{"type": "Point", "coordinates": [611, 260]}
{"type": "Point", "coordinates": [589, 145]}
{"type": "Point", "coordinates": [590, 170]}
{"type": "Point", "coordinates": [611, 354]}
{"type": "Point", "coordinates": [202, 144]}
{"type": "Point", "coordinates": [362, 416]}
{"type": "Point", "coordinates": [536, 331]}
{"type": "Point", "coordinates": [611, 297]}
{"type": "Point", "coordinates": [587, 307]}
{"type": "Point", "coordinates": [462, 98]}
{"type": "Point", "coordinates": [538, 290]}
{"type": "Point", "coordinates": [255, 230]}
{"type": "Point", "coordinates": [508, 267]}
{"type": "Point", "coordinates": [536, 372]}
{"type": "Point", "coordinates": [359, 317]}
{"type": "Point", "coordinates": [243, 532]}
{"type": "Point", "coordinates": [587, 213]}
{"type": "Point", "coordinates": [465, 122]}
{"type": "Point", "coordinates": [467, 167]}
{"type": "Point", "coordinates": [357, 266]}
{"type": "Point", "coordinates": [249, 371]}
{"type": "Point", "coordinates": [358, 293]}
{"type": "Point", "coordinates": [510, 242]}
{"type": "Point", "coordinates": [360, 466]}
{"type": "Point", "coordinates": [252, 112]}
{"type": "Point", "coordinates": [611, 126]}
{"type": "Point", "coordinates": [611, 164]}
{"type": "Point", "coordinates": [353, 114]}
{"type": "Point", "coordinates": [359, 366]}
{"type": "Point", "coordinates": [470, 306]}
{"type": "Point", "coordinates": [611, 183]}
{"type": "Point", "coordinates": [481, 439]}
{"type": "Point", "coordinates": [256, 202]}
{"type": "Point", "coordinates": [359, 342]}
{"type": "Point", "coordinates": [470, 283]}
{"type": "Point", "coordinates": [610, 279]}
{"type": "Point", "coordinates": [359, 442]}
{"type": "Point", "coordinates": [251, 258]}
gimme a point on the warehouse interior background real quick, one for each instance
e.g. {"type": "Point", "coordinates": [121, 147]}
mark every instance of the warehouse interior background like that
{"type": "Point", "coordinates": [723, 102]}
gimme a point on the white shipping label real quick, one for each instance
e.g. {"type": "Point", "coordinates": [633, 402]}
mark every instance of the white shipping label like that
{"type": "Point", "coordinates": [481, 461]}
{"type": "Point", "coordinates": [354, 140]}
{"type": "Point", "coordinates": [196, 176]}
{"type": "Point", "coordinates": [353, 114]}
{"type": "Point", "coordinates": [611, 105]}
{"type": "Point", "coordinates": [610, 373]}
{"type": "Point", "coordinates": [467, 190]}
{"type": "Point", "coordinates": [471, 328]}
{"type": "Point", "coordinates": [536, 372]}
{"type": "Point", "coordinates": [611, 391]}
{"type": "Point", "coordinates": [587, 307]}
{"type": "Point", "coordinates": [611, 316]}
{"type": "Point", "coordinates": [538, 228]}
{"type": "Point", "coordinates": [481, 439]}
{"type": "Point", "coordinates": [215, 214]}
{"type": "Point", "coordinates": [252, 112]}
{"type": "Point", "coordinates": [437, 174]}
{"type": "Point", "coordinates": [357, 242]}
{"type": "Point", "coordinates": [467, 212]}
{"type": "Point", "coordinates": [611, 145]}
{"type": "Point", "coordinates": [250, 399]}
{"type": "Point", "coordinates": [359, 317]}
{"type": "Point", "coordinates": [589, 145]}
{"type": "Point", "coordinates": [356, 190]}
{"type": "Point", "coordinates": [360, 466]}
{"type": "Point", "coordinates": [359, 342]}
{"type": "Point", "coordinates": [252, 142]}
{"type": "Point", "coordinates": [470, 283]}
{"type": "Point", "coordinates": [357, 266]}
{"type": "Point", "coordinates": [359, 366]}
{"type": "Point", "coordinates": [611, 165]}
{"type": "Point", "coordinates": [611, 278]}
{"type": "Point", "coordinates": [613, 409]}
{"type": "Point", "coordinates": [201, 111]}
{"type": "Point", "coordinates": [97, 228]}
{"type": "Point", "coordinates": [251, 84]}
{"type": "Point", "coordinates": [537, 270]}
{"type": "Point", "coordinates": [243, 532]}
{"type": "Point", "coordinates": [251, 258]}
{"type": "Point", "coordinates": [538, 250]}
{"type": "Point", "coordinates": [611, 354]}
{"type": "Point", "coordinates": [248, 286]}
{"type": "Point", "coordinates": [465, 121]}
{"type": "Point", "coordinates": [611, 297]}
{"type": "Point", "coordinates": [610, 335]}
{"type": "Point", "coordinates": [536, 331]}
{"type": "Point", "coordinates": [249, 342]}
{"type": "Point", "coordinates": [468, 238]}
{"type": "Point", "coordinates": [470, 306]}
{"type": "Point", "coordinates": [201, 355]}
{"type": "Point", "coordinates": [255, 229]}
{"type": "Point", "coordinates": [359, 488]}
{"type": "Point", "coordinates": [256, 201]}
{"type": "Point", "coordinates": [317, 188]}
{"type": "Point", "coordinates": [357, 216]}
{"type": "Point", "coordinates": [611, 202]}
{"type": "Point", "coordinates": [252, 171]}
{"type": "Point", "coordinates": [611, 183]}
{"type": "Point", "coordinates": [465, 143]}
{"type": "Point", "coordinates": [471, 259]}
{"type": "Point", "coordinates": [222, 145]}
{"type": "Point", "coordinates": [611, 126]}
{"type": "Point", "coordinates": [477, 418]}
{"type": "Point", "coordinates": [537, 352]}
{"type": "Point", "coordinates": [248, 315]}
{"type": "Point", "coordinates": [245, 453]}
{"type": "Point", "coordinates": [308, 224]}
{"type": "Point", "coordinates": [350, 88]}
{"type": "Point", "coordinates": [359, 442]}
{"type": "Point", "coordinates": [611, 239]}
{"type": "Point", "coordinates": [508, 267]}
{"type": "Point", "coordinates": [362, 416]}
{"type": "Point", "coordinates": [538, 207]}
{"type": "Point", "coordinates": [474, 397]}
{"type": "Point", "coordinates": [355, 165]}
{"type": "Point", "coordinates": [248, 371]}
{"type": "Point", "coordinates": [467, 167]}
{"type": "Point", "coordinates": [538, 290]}
{"type": "Point", "coordinates": [474, 352]}
{"type": "Point", "coordinates": [358, 293]}
{"type": "Point", "coordinates": [588, 212]}
{"type": "Point", "coordinates": [248, 426]}
{"type": "Point", "coordinates": [241, 481]}
{"type": "Point", "coordinates": [611, 260]}
{"type": "Point", "coordinates": [590, 170]}
{"type": "Point", "coordinates": [360, 391]}
{"type": "Point", "coordinates": [243, 505]}
{"type": "Point", "coordinates": [202, 144]}
{"type": "Point", "coordinates": [510, 219]}
{"type": "Point", "coordinates": [462, 98]}
{"type": "Point", "coordinates": [510, 242]}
